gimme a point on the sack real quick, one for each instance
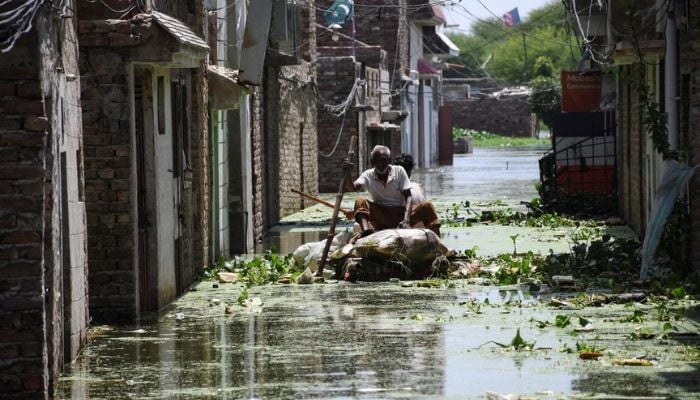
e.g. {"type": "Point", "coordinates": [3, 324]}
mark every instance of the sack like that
{"type": "Point", "coordinates": [412, 247]}
{"type": "Point", "coordinates": [309, 254]}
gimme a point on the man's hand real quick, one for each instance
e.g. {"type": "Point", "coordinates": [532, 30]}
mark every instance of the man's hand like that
{"type": "Point", "coordinates": [405, 224]}
{"type": "Point", "coordinates": [347, 164]}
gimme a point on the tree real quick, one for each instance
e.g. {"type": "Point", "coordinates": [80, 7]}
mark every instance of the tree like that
{"type": "Point", "coordinates": [545, 99]}
{"type": "Point", "coordinates": [544, 33]}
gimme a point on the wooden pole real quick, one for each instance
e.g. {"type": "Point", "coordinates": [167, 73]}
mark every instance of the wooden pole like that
{"type": "Point", "coordinates": [336, 209]}
{"type": "Point", "coordinates": [320, 200]}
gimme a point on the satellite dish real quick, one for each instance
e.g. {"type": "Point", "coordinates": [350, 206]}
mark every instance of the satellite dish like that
{"type": "Point", "coordinates": [338, 12]}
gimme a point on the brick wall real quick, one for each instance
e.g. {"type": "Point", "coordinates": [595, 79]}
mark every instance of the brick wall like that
{"type": "Point", "coordinates": [110, 180]}
{"type": "Point", "coordinates": [42, 229]}
{"type": "Point", "coordinates": [108, 185]}
{"type": "Point", "coordinates": [291, 138]}
{"type": "Point", "coordinates": [23, 137]}
{"type": "Point", "coordinates": [336, 76]}
{"type": "Point", "coordinates": [380, 26]}
{"type": "Point", "coordinates": [690, 123]}
{"type": "Point", "coordinates": [506, 116]}
{"type": "Point", "coordinates": [198, 210]}
{"type": "Point", "coordinates": [632, 142]}
{"type": "Point", "coordinates": [258, 160]}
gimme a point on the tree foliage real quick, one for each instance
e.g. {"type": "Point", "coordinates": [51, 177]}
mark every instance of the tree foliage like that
{"type": "Point", "coordinates": [545, 100]}
{"type": "Point", "coordinates": [501, 51]}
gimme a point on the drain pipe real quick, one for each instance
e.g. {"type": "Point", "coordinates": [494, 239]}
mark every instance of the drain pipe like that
{"type": "Point", "coordinates": [671, 76]}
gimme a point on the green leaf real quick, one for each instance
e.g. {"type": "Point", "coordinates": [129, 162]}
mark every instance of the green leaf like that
{"type": "Point", "coordinates": [678, 292]}
{"type": "Point", "coordinates": [562, 321]}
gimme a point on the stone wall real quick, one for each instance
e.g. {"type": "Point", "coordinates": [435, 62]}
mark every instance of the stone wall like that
{"type": "Point", "coordinates": [507, 116]}
{"type": "Point", "coordinates": [336, 76]}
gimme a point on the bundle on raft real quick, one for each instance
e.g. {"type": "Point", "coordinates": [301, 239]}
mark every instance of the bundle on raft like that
{"type": "Point", "coordinates": [391, 253]}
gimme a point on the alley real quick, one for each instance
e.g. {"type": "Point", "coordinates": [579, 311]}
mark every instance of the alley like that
{"type": "Point", "coordinates": [168, 170]}
{"type": "Point", "coordinates": [453, 339]}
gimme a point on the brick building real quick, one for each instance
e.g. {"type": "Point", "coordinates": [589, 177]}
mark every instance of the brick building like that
{"type": "Point", "coordinates": [358, 73]}
{"type": "Point", "coordinates": [507, 115]}
{"type": "Point", "coordinates": [289, 112]}
{"type": "Point", "coordinates": [146, 153]}
{"type": "Point", "coordinates": [43, 267]}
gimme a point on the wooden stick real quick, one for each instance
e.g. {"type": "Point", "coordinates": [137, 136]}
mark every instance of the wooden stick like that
{"type": "Point", "coordinates": [320, 200]}
{"type": "Point", "coordinates": [336, 209]}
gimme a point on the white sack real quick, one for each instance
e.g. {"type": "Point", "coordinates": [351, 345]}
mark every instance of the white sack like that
{"type": "Point", "coordinates": [309, 254]}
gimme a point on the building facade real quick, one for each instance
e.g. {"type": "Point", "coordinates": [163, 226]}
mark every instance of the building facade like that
{"type": "Point", "coordinates": [43, 258]}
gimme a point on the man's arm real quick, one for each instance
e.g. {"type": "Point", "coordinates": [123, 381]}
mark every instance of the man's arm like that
{"type": "Point", "coordinates": [406, 223]}
{"type": "Point", "coordinates": [350, 185]}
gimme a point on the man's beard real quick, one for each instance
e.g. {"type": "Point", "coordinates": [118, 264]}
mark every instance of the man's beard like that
{"type": "Point", "coordinates": [382, 172]}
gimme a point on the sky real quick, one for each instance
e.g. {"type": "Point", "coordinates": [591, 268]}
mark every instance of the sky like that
{"type": "Point", "coordinates": [457, 15]}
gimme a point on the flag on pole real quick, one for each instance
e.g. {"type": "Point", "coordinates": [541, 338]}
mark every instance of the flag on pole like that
{"type": "Point", "coordinates": [511, 18]}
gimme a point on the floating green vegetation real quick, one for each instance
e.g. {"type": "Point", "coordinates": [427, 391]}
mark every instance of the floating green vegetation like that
{"type": "Point", "coordinates": [583, 347]}
{"type": "Point", "coordinates": [637, 316]}
{"type": "Point", "coordinates": [487, 139]}
{"type": "Point", "coordinates": [517, 343]}
{"type": "Point", "coordinates": [462, 214]}
{"type": "Point", "coordinates": [606, 262]}
{"type": "Point", "coordinates": [260, 270]}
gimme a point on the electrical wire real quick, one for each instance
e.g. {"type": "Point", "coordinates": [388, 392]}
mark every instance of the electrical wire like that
{"type": "Point", "coordinates": [17, 22]}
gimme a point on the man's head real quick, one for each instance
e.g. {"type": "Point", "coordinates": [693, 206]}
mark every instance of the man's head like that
{"type": "Point", "coordinates": [380, 157]}
{"type": "Point", "coordinates": [406, 161]}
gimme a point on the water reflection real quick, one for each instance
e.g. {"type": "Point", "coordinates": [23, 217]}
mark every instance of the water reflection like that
{"type": "Point", "coordinates": [323, 341]}
{"type": "Point", "coordinates": [488, 174]}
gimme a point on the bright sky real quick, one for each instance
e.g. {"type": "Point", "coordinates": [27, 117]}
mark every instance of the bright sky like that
{"type": "Point", "coordinates": [457, 15]}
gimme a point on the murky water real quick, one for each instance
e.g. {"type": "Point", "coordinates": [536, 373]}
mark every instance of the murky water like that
{"type": "Point", "coordinates": [382, 340]}
{"type": "Point", "coordinates": [507, 174]}
{"type": "Point", "coordinates": [488, 174]}
{"type": "Point", "coordinates": [324, 341]}
{"type": "Point", "coordinates": [373, 341]}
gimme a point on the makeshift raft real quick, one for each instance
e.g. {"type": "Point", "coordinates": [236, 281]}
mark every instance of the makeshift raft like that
{"type": "Point", "coordinates": [392, 253]}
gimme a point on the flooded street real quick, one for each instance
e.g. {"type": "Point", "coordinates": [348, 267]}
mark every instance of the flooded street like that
{"type": "Point", "coordinates": [393, 340]}
{"type": "Point", "coordinates": [508, 175]}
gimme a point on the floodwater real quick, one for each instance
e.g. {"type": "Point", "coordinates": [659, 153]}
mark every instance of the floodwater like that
{"type": "Point", "coordinates": [385, 340]}
{"type": "Point", "coordinates": [506, 174]}
{"type": "Point", "coordinates": [370, 341]}
{"type": "Point", "coordinates": [489, 174]}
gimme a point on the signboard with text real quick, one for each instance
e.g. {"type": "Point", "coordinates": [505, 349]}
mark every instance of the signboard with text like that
{"type": "Point", "coordinates": [580, 92]}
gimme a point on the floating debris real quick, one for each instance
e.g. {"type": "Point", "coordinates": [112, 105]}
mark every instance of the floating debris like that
{"type": "Point", "coordinates": [634, 362]}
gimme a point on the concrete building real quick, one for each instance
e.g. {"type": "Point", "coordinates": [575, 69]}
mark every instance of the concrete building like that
{"type": "Point", "coordinates": [422, 97]}
{"type": "Point", "coordinates": [43, 264]}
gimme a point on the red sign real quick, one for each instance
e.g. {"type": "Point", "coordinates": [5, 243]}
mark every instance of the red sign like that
{"type": "Point", "coordinates": [580, 92]}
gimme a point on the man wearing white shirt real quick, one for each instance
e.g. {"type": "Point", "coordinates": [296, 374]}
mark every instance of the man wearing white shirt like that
{"type": "Point", "coordinates": [391, 204]}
